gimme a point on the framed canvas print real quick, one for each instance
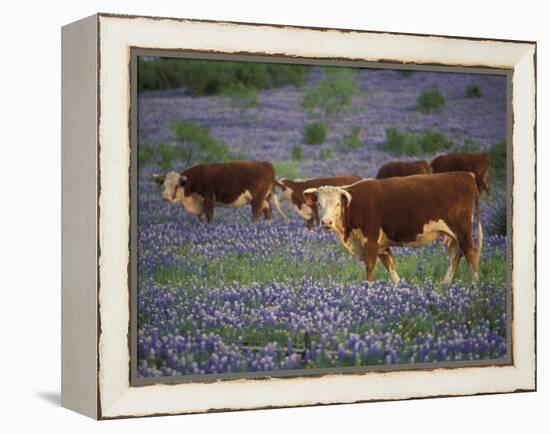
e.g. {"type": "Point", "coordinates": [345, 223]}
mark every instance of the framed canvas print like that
{"type": "Point", "coordinates": [260, 216]}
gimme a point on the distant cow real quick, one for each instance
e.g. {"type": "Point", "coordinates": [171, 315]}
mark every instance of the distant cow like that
{"type": "Point", "coordinates": [404, 168]}
{"type": "Point", "coordinates": [477, 163]}
{"type": "Point", "coordinates": [201, 187]}
{"type": "Point", "coordinates": [293, 189]}
{"type": "Point", "coordinates": [372, 215]}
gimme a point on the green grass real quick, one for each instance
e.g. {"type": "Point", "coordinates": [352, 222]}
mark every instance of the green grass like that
{"type": "Point", "coordinates": [419, 266]}
{"type": "Point", "coordinates": [430, 100]}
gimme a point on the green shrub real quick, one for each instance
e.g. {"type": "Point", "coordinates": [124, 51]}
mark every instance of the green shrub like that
{"type": "Point", "coordinates": [498, 159]}
{"type": "Point", "coordinates": [210, 77]}
{"type": "Point", "coordinates": [405, 73]}
{"type": "Point", "coordinates": [325, 154]}
{"type": "Point", "coordinates": [296, 153]}
{"type": "Point", "coordinates": [498, 223]}
{"type": "Point", "coordinates": [315, 133]}
{"type": "Point", "coordinates": [286, 169]}
{"type": "Point", "coordinates": [145, 155]}
{"type": "Point", "coordinates": [429, 100]}
{"type": "Point", "coordinates": [469, 146]}
{"type": "Point", "coordinates": [473, 91]}
{"type": "Point", "coordinates": [242, 97]}
{"type": "Point", "coordinates": [352, 140]}
{"type": "Point", "coordinates": [432, 141]}
{"type": "Point", "coordinates": [413, 143]}
{"type": "Point", "coordinates": [194, 143]}
{"type": "Point", "coordinates": [332, 96]}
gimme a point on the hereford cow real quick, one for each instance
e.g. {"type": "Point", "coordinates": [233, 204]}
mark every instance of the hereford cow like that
{"type": "Point", "coordinates": [201, 187]}
{"type": "Point", "coordinates": [404, 168]}
{"type": "Point", "coordinates": [293, 189]}
{"type": "Point", "coordinates": [372, 215]}
{"type": "Point", "coordinates": [477, 163]}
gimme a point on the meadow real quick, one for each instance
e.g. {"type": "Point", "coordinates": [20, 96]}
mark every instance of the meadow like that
{"type": "Point", "coordinates": [241, 297]}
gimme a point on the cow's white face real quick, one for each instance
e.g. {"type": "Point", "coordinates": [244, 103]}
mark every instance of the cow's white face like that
{"type": "Point", "coordinates": [330, 201]}
{"type": "Point", "coordinates": [172, 184]}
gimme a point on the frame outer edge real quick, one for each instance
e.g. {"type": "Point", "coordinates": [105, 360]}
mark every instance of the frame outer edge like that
{"type": "Point", "coordinates": [79, 217]}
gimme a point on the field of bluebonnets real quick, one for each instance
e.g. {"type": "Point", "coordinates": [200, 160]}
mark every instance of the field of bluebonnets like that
{"type": "Point", "coordinates": [241, 297]}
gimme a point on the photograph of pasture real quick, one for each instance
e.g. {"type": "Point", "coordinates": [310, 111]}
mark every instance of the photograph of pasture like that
{"type": "Point", "coordinates": [296, 218]}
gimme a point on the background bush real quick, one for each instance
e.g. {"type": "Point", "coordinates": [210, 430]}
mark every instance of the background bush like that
{"type": "Point", "coordinates": [406, 73]}
{"type": "Point", "coordinates": [473, 91]}
{"type": "Point", "coordinates": [352, 140]}
{"type": "Point", "coordinates": [210, 77]}
{"type": "Point", "coordinates": [469, 146]}
{"type": "Point", "coordinates": [413, 143]}
{"type": "Point", "coordinates": [315, 133]}
{"type": "Point", "coordinates": [498, 159]}
{"type": "Point", "coordinates": [328, 101]}
{"type": "Point", "coordinates": [429, 100]}
{"type": "Point", "coordinates": [193, 144]}
{"type": "Point", "coordinates": [498, 224]}
{"type": "Point", "coordinates": [325, 154]}
{"type": "Point", "coordinates": [296, 153]}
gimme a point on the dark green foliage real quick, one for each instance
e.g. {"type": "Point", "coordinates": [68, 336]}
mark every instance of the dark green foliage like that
{"type": "Point", "coordinates": [498, 159]}
{"type": "Point", "coordinates": [145, 155]}
{"type": "Point", "coordinates": [297, 153]}
{"type": "Point", "coordinates": [210, 77]}
{"type": "Point", "coordinates": [473, 91]}
{"type": "Point", "coordinates": [469, 146]}
{"type": "Point", "coordinates": [242, 97]}
{"type": "Point", "coordinates": [286, 169]}
{"type": "Point", "coordinates": [432, 141]}
{"type": "Point", "coordinates": [325, 154]}
{"type": "Point", "coordinates": [194, 144]}
{"type": "Point", "coordinates": [498, 224]}
{"type": "Point", "coordinates": [413, 143]}
{"type": "Point", "coordinates": [315, 133]}
{"type": "Point", "coordinates": [332, 96]}
{"type": "Point", "coordinates": [352, 140]}
{"type": "Point", "coordinates": [429, 100]}
{"type": "Point", "coordinates": [405, 73]}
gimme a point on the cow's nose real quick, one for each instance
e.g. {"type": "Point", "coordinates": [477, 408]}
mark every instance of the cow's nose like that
{"type": "Point", "coordinates": [327, 224]}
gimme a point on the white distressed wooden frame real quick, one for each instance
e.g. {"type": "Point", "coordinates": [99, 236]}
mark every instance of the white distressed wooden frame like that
{"type": "Point", "coordinates": [96, 215]}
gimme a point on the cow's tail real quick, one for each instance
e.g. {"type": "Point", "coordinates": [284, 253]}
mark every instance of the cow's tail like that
{"type": "Point", "coordinates": [276, 201]}
{"type": "Point", "coordinates": [479, 227]}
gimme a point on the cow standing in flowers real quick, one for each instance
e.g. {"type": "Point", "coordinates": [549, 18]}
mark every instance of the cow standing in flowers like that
{"type": "Point", "coordinates": [370, 216]}
{"type": "Point", "coordinates": [233, 184]}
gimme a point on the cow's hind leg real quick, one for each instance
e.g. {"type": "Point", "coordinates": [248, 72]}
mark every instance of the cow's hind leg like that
{"type": "Point", "coordinates": [257, 204]}
{"type": "Point", "coordinates": [387, 259]}
{"type": "Point", "coordinates": [471, 253]}
{"type": "Point", "coordinates": [454, 258]}
{"type": "Point", "coordinates": [267, 210]}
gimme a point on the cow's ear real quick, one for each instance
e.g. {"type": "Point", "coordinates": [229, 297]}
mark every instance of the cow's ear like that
{"type": "Point", "coordinates": [183, 180]}
{"type": "Point", "coordinates": [159, 179]}
{"type": "Point", "coordinates": [310, 195]}
{"type": "Point", "coordinates": [279, 183]}
{"type": "Point", "coordinates": [346, 198]}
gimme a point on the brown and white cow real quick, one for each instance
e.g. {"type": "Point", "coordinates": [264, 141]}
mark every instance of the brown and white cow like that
{"type": "Point", "coordinates": [370, 216]}
{"type": "Point", "coordinates": [201, 187]}
{"type": "Point", "coordinates": [477, 163]}
{"type": "Point", "coordinates": [293, 191]}
{"type": "Point", "coordinates": [404, 168]}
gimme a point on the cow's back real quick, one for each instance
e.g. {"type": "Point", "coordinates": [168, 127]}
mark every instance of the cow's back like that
{"type": "Point", "coordinates": [402, 206]}
{"type": "Point", "coordinates": [403, 168]}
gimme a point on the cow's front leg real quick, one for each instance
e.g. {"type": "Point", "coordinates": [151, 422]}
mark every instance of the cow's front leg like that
{"type": "Point", "coordinates": [387, 260]}
{"type": "Point", "coordinates": [209, 208]}
{"type": "Point", "coordinates": [200, 218]}
{"type": "Point", "coordinates": [371, 253]}
{"type": "Point", "coordinates": [310, 224]}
